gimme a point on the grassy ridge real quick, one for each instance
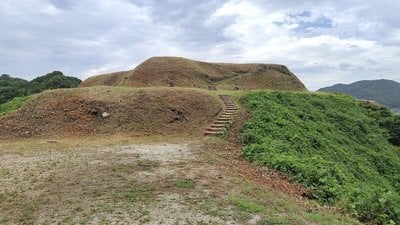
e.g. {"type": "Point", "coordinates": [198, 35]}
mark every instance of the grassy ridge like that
{"type": "Point", "coordinates": [330, 144]}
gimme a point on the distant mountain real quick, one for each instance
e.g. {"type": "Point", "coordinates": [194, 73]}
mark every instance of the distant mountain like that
{"type": "Point", "coordinates": [386, 92]}
{"type": "Point", "coordinates": [11, 87]}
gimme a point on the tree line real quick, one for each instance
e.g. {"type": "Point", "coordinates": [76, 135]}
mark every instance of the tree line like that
{"type": "Point", "coordinates": [11, 87]}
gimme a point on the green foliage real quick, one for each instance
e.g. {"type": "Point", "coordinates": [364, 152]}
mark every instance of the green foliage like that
{"type": "Point", "coordinates": [11, 87]}
{"type": "Point", "coordinates": [52, 80]}
{"type": "Point", "coordinates": [386, 120]}
{"type": "Point", "coordinates": [332, 145]}
{"type": "Point", "coordinates": [12, 105]}
{"type": "Point", "coordinates": [14, 87]}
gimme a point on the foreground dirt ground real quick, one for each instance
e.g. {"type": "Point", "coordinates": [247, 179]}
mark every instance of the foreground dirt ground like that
{"type": "Point", "coordinates": [201, 181]}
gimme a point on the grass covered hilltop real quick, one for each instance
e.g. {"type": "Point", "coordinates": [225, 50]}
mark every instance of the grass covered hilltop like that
{"type": "Point", "coordinates": [332, 145]}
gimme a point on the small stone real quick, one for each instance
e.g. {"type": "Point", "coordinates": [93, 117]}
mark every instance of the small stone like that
{"type": "Point", "coordinates": [105, 114]}
{"type": "Point", "coordinates": [52, 141]}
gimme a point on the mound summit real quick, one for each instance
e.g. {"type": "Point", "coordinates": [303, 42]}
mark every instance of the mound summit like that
{"type": "Point", "coordinates": [181, 72]}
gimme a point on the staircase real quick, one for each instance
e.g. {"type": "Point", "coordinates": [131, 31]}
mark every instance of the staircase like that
{"type": "Point", "coordinates": [225, 119]}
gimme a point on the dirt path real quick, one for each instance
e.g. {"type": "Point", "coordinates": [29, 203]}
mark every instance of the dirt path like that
{"type": "Point", "coordinates": [133, 184]}
{"type": "Point", "coordinates": [163, 183]}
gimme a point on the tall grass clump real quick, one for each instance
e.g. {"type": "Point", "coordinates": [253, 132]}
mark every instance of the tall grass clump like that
{"type": "Point", "coordinates": [332, 145]}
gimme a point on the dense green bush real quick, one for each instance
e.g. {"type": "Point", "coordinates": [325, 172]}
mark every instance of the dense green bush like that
{"type": "Point", "coordinates": [13, 87]}
{"type": "Point", "coordinates": [332, 145]}
{"type": "Point", "coordinates": [387, 120]}
{"type": "Point", "coordinates": [52, 80]}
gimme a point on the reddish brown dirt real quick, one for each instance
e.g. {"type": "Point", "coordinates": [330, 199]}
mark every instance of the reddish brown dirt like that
{"type": "Point", "coordinates": [79, 112]}
{"type": "Point", "coordinates": [181, 72]}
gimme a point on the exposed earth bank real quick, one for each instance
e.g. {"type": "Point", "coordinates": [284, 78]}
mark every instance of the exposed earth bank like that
{"type": "Point", "coordinates": [112, 110]}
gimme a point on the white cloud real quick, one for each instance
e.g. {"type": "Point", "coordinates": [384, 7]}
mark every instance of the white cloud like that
{"type": "Point", "coordinates": [323, 42]}
{"type": "Point", "coordinates": [266, 36]}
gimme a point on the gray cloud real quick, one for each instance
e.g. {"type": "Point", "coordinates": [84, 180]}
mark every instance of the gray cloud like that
{"type": "Point", "coordinates": [324, 42]}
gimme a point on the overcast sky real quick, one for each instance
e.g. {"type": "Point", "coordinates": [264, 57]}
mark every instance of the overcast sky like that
{"type": "Point", "coordinates": [322, 42]}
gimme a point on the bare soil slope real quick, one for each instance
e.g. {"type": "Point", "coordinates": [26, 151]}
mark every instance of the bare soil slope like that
{"type": "Point", "coordinates": [112, 110]}
{"type": "Point", "coordinates": [181, 72]}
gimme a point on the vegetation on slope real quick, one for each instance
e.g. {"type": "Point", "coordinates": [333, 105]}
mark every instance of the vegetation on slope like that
{"type": "Point", "coordinates": [386, 92]}
{"type": "Point", "coordinates": [332, 145]}
{"type": "Point", "coordinates": [386, 120]}
{"type": "Point", "coordinates": [14, 87]}
{"type": "Point", "coordinates": [13, 105]}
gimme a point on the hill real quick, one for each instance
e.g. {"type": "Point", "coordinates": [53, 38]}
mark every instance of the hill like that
{"type": "Point", "coordinates": [333, 145]}
{"type": "Point", "coordinates": [110, 111]}
{"type": "Point", "coordinates": [11, 87]}
{"type": "Point", "coordinates": [181, 72]}
{"type": "Point", "coordinates": [386, 92]}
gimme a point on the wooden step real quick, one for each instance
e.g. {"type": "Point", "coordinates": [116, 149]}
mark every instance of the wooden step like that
{"type": "Point", "coordinates": [218, 125]}
{"type": "Point", "coordinates": [211, 133]}
{"type": "Point", "coordinates": [222, 122]}
{"type": "Point", "coordinates": [224, 118]}
{"type": "Point", "coordinates": [216, 130]}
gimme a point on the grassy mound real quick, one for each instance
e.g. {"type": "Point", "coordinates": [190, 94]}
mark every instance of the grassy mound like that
{"type": "Point", "coordinates": [112, 110]}
{"type": "Point", "coordinates": [332, 145]}
{"type": "Point", "coordinates": [181, 72]}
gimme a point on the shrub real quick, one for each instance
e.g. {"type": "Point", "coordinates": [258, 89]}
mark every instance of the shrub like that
{"type": "Point", "coordinates": [330, 144]}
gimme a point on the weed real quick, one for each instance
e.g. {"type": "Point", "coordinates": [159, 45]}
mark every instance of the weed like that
{"type": "Point", "coordinates": [246, 205]}
{"type": "Point", "coordinates": [5, 172]}
{"type": "Point", "coordinates": [103, 207]}
{"type": "Point", "coordinates": [184, 183]}
{"type": "Point", "coordinates": [136, 192]}
{"type": "Point", "coordinates": [97, 192]}
{"type": "Point", "coordinates": [27, 214]}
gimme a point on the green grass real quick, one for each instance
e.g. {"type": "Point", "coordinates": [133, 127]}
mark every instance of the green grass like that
{"type": "Point", "coordinates": [13, 105]}
{"type": "Point", "coordinates": [332, 145]}
{"type": "Point", "coordinates": [184, 183]}
{"type": "Point", "coordinates": [136, 193]}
